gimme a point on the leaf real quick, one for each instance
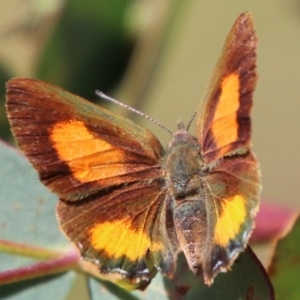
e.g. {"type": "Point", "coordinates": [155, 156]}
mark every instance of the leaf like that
{"type": "Point", "coordinates": [47, 288]}
{"type": "Point", "coordinates": [27, 208]}
{"type": "Point", "coordinates": [284, 268]}
{"type": "Point", "coordinates": [27, 214]}
{"type": "Point", "coordinates": [246, 280]}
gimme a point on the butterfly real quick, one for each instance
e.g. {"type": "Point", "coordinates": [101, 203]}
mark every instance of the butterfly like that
{"type": "Point", "coordinates": [130, 206]}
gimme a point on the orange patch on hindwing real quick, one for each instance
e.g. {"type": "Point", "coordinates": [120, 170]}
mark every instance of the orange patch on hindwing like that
{"type": "Point", "coordinates": [86, 155]}
{"type": "Point", "coordinates": [118, 239]}
{"type": "Point", "coordinates": [233, 215]}
{"type": "Point", "coordinates": [225, 126]}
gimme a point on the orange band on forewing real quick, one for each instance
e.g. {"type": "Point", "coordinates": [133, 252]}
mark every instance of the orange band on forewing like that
{"type": "Point", "coordinates": [225, 126]}
{"type": "Point", "coordinates": [229, 100]}
{"type": "Point", "coordinates": [232, 216]}
{"type": "Point", "coordinates": [87, 156]}
{"type": "Point", "coordinates": [117, 239]}
{"type": "Point", "coordinates": [225, 131]}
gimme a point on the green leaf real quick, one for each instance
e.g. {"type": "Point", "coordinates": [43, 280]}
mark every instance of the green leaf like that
{"type": "Point", "coordinates": [246, 280]}
{"type": "Point", "coordinates": [284, 269]}
{"type": "Point", "coordinates": [46, 288]}
{"type": "Point", "coordinates": [27, 214]}
{"type": "Point", "coordinates": [27, 208]}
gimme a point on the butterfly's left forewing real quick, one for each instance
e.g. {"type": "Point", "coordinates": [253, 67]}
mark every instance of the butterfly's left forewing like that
{"type": "Point", "coordinates": [77, 147]}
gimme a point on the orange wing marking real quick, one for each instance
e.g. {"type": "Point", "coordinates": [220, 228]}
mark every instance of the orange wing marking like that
{"type": "Point", "coordinates": [228, 224]}
{"type": "Point", "coordinates": [106, 236]}
{"type": "Point", "coordinates": [86, 155]}
{"type": "Point", "coordinates": [225, 126]}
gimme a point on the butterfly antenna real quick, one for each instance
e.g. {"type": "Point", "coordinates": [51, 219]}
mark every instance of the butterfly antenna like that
{"type": "Point", "coordinates": [104, 96]}
{"type": "Point", "coordinates": [191, 120]}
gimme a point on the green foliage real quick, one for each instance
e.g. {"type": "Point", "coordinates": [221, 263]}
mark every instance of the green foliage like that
{"type": "Point", "coordinates": [285, 265]}
{"type": "Point", "coordinates": [27, 218]}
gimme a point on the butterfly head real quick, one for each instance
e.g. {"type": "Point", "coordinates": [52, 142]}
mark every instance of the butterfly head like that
{"type": "Point", "coordinates": [181, 136]}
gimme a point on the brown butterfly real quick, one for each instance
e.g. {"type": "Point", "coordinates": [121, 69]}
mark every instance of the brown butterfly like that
{"type": "Point", "coordinates": [129, 206]}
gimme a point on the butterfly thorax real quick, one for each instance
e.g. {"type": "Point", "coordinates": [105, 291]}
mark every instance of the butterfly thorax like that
{"type": "Point", "coordinates": [183, 165]}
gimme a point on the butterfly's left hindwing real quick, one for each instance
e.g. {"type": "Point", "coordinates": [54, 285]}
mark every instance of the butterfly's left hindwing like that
{"type": "Point", "coordinates": [123, 231]}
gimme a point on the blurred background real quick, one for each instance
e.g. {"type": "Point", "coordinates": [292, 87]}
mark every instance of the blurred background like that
{"type": "Point", "coordinates": [158, 56]}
